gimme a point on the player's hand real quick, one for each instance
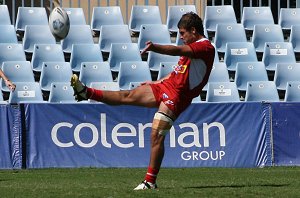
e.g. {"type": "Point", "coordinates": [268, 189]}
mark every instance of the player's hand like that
{"type": "Point", "coordinates": [10, 85]}
{"type": "Point", "coordinates": [149, 46]}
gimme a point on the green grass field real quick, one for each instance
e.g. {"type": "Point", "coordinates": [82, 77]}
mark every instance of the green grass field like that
{"type": "Point", "coordinates": [187, 182]}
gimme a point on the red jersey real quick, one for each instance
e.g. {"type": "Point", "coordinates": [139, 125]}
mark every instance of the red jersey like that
{"type": "Point", "coordinates": [188, 78]}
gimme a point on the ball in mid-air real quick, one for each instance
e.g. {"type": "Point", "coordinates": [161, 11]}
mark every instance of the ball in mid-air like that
{"type": "Point", "coordinates": [59, 23]}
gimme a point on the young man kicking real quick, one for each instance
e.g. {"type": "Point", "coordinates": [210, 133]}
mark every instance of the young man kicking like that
{"type": "Point", "coordinates": [171, 95]}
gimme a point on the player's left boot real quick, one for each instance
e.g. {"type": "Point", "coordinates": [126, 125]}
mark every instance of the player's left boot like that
{"type": "Point", "coordinates": [79, 88]}
{"type": "Point", "coordinates": [145, 185]}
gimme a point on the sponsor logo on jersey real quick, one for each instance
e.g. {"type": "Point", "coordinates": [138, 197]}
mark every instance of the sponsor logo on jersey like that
{"type": "Point", "coordinates": [180, 69]}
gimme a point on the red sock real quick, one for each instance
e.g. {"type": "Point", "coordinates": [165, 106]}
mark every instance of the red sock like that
{"type": "Point", "coordinates": [94, 94]}
{"type": "Point", "coordinates": [151, 175]}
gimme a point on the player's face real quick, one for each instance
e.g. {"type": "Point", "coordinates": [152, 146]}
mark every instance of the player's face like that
{"type": "Point", "coordinates": [187, 36]}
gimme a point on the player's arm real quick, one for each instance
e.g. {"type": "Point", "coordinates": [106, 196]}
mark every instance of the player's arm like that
{"type": "Point", "coordinates": [8, 83]}
{"type": "Point", "coordinates": [173, 50]}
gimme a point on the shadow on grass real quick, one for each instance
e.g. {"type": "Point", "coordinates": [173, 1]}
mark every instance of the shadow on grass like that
{"type": "Point", "coordinates": [240, 186]}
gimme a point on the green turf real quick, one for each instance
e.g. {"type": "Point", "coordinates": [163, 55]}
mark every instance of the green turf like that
{"type": "Point", "coordinates": [188, 182]}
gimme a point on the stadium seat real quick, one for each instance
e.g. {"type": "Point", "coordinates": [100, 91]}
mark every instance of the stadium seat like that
{"type": "Point", "coordinates": [121, 52]}
{"type": "Point", "coordinates": [109, 86]}
{"type": "Point", "coordinates": [239, 52]}
{"type": "Point", "coordinates": [165, 68]}
{"type": "Point", "coordinates": [110, 15]}
{"type": "Point", "coordinates": [217, 15]}
{"type": "Point", "coordinates": [228, 33]}
{"type": "Point", "coordinates": [295, 38]}
{"type": "Point", "coordinates": [8, 34]}
{"type": "Point", "coordinates": [155, 33]}
{"type": "Point", "coordinates": [113, 34]}
{"type": "Point", "coordinates": [76, 16]}
{"type": "Point", "coordinates": [1, 98]}
{"type": "Point", "coordinates": [26, 92]}
{"type": "Point", "coordinates": [178, 40]}
{"type": "Point", "coordinates": [142, 15]}
{"type": "Point", "coordinates": [256, 15]}
{"type": "Point", "coordinates": [197, 99]}
{"type": "Point", "coordinates": [175, 12]}
{"type": "Point", "coordinates": [95, 72]}
{"type": "Point", "coordinates": [261, 91]}
{"type": "Point", "coordinates": [133, 85]}
{"type": "Point", "coordinates": [54, 72]}
{"type": "Point", "coordinates": [11, 52]}
{"type": "Point", "coordinates": [16, 71]}
{"type": "Point", "coordinates": [46, 53]}
{"type": "Point", "coordinates": [37, 34]}
{"type": "Point", "coordinates": [289, 17]}
{"type": "Point", "coordinates": [286, 72]}
{"type": "Point", "coordinates": [154, 60]}
{"type": "Point", "coordinates": [61, 92]}
{"type": "Point", "coordinates": [134, 71]}
{"type": "Point", "coordinates": [266, 33]}
{"type": "Point", "coordinates": [218, 73]}
{"type": "Point", "coordinates": [84, 53]}
{"type": "Point", "coordinates": [78, 34]}
{"type": "Point", "coordinates": [4, 15]}
{"type": "Point", "coordinates": [30, 16]}
{"type": "Point", "coordinates": [222, 92]}
{"type": "Point", "coordinates": [277, 52]}
{"type": "Point", "coordinates": [292, 93]}
{"type": "Point", "coordinates": [249, 71]}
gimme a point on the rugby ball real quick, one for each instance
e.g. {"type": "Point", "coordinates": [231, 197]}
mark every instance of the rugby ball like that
{"type": "Point", "coordinates": [59, 23]}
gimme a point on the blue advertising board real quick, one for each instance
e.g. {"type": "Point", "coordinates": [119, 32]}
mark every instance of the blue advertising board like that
{"type": "Point", "coordinates": [98, 135]}
{"type": "Point", "coordinates": [10, 137]}
{"type": "Point", "coordinates": [286, 133]}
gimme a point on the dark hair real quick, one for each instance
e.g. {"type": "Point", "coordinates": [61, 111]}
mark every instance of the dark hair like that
{"type": "Point", "coordinates": [190, 20]}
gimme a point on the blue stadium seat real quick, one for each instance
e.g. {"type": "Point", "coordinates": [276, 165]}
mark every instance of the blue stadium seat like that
{"type": "Point", "coordinates": [249, 71]}
{"type": "Point", "coordinates": [113, 34]}
{"type": "Point", "coordinates": [4, 15]}
{"type": "Point", "coordinates": [295, 38]}
{"type": "Point", "coordinates": [78, 34]}
{"type": "Point", "coordinates": [30, 16]}
{"type": "Point", "coordinates": [289, 17]}
{"type": "Point", "coordinates": [165, 68]}
{"type": "Point", "coordinates": [8, 34]}
{"type": "Point", "coordinates": [84, 53]}
{"type": "Point", "coordinates": [256, 15]}
{"type": "Point", "coordinates": [110, 15]}
{"type": "Point", "coordinates": [154, 60]}
{"type": "Point", "coordinates": [1, 98]}
{"type": "Point", "coordinates": [95, 72]}
{"type": "Point", "coordinates": [76, 16]}
{"type": "Point", "coordinates": [121, 52]}
{"type": "Point", "coordinates": [178, 40]}
{"type": "Point", "coordinates": [261, 91]}
{"type": "Point", "coordinates": [109, 86]}
{"type": "Point", "coordinates": [218, 73]}
{"type": "Point", "coordinates": [175, 12]}
{"type": "Point", "coordinates": [37, 34]}
{"type": "Point", "coordinates": [143, 14]}
{"type": "Point", "coordinates": [46, 53]}
{"type": "Point", "coordinates": [26, 92]}
{"type": "Point", "coordinates": [17, 71]}
{"type": "Point", "coordinates": [61, 92]}
{"type": "Point", "coordinates": [135, 71]}
{"type": "Point", "coordinates": [266, 33]}
{"type": "Point", "coordinates": [292, 93]}
{"type": "Point", "coordinates": [11, 52]}
{"type": "Point", "coordinates": [239, 52]}
{"type": "Point", "coordinates": [286, 72]}
{"type": "Point", "coordinates": [155, 33]}
{"type": "Point", "coordinates": [222, 92]}
{"type": "Point", "coordinates": [133, 85]}
{"type": "Point", "coordinates": [228, 33]}
{"type": "Point", "coordinates": [217, 15]}
{"type": "Point", "coordinates": [54, 72]}
{"type": "Point", "coordinates": [277, 52]}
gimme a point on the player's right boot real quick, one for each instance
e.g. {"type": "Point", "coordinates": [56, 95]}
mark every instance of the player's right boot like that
{"type": "Point", "coordinates": [79, 88]}
{"type": "Point", "coordinates": [145, 185]}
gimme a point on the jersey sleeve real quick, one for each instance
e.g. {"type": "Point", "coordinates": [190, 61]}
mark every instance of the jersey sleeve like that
{"type": "Point", "coordinates": [202, 49]}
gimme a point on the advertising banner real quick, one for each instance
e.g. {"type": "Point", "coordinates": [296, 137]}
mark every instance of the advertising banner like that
{"type": "Point", "coordinates": [98, 135]}
{"type": "Point", "coordinates": [10, 137]}
{"type": "Point", "coordinates": [286, 133]}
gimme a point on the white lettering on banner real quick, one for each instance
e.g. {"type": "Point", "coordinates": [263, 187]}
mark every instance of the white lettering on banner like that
{"type": "Point", "coordinates": [239, 52]}
{"type": "Point", "coordinates": [202, 155]}
{"type": "Point", "coordinates": [128, 130]}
